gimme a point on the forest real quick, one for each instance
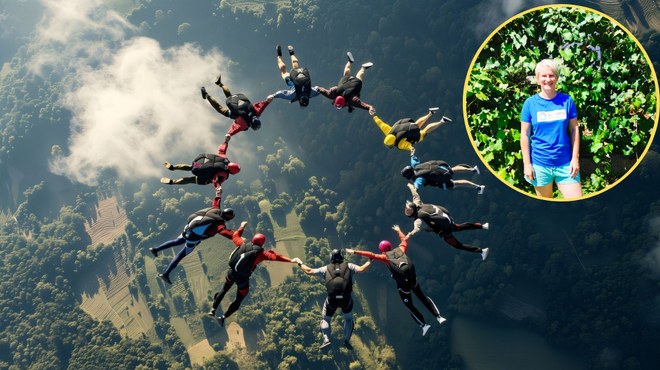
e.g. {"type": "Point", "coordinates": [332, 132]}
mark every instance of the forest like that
{"type": "Point", "coordinates": [584, 275]}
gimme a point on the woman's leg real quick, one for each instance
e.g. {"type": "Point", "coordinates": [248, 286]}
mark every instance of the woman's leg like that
{"type": "Point", "coordinates": [544, 191]}
{"type": "Point", "coordinates": [570, 191]}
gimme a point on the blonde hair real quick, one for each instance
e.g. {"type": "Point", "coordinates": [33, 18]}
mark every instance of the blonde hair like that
{"type": "Point", "coordinates": [549, 64]}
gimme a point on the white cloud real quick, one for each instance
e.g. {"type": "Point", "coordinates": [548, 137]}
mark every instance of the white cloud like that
{"type": "Point", "coordinates": [142, 107]}
{"type": "Point", "coordinates": [133, 103]}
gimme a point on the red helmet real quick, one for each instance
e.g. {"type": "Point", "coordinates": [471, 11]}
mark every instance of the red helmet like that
{"type": "Point", "coordinates": [340, 102]}
{"type": "Point", "coordinates": [259, 240]}
{"type": "Point", "coordinates": [233, 168]}
{"type": "Point", "coordinates": [385, 246]}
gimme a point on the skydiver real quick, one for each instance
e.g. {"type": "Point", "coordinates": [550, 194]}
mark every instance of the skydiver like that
{"type": "Point", "coordinates": [347, 91]}
{"type": "Point", "coordinates": [339, 284]}
{"type": "Point", "coordinates": [242, 262]}
{"type": "Point", "coordinates": [438, 173]}
{"type": "Point", "coordinates": [201, 225]}
{"type": "Point", "coordinates": [239, 108]}
{"type": "Point", "coordinates": [403, 272]}
{"type": "Point", "coordinates": [207, 168]}
{"type": "Point", "coordinates": [405, 132]}
{"type": "Point", "coordinates": [441, 223]}
{"type": "Point", "coordinates": [298, 80]}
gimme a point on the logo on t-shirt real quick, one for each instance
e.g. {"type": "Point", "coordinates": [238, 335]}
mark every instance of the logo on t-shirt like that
{"type": "Point", "coordinates": [555, 115]}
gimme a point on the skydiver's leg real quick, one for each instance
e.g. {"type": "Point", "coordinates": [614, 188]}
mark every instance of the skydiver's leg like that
{"type": "Point", "coordinates": [347, 309]}
{"type": "Point", "coordinates": [328, 312]}
{"type": "Point", "coordinates": [219, 296]}
{"type": "Point", "coordinates": [282, 67]}
{"type": "Point", "coordinates": [169, 244]}
{"type": "Point", "coordinates": [462, 168]}
{"type": "Point", "coordinates": [465, 184]}
{"type": "Point", "coordinates": [185, 180]}
{"type": "Point", "coordinates": [348, 326]}
{"type": "Point", "coordinates": [428, 303]}
{"type": "Point", "coordinates": [294, 60]}
{"type": "Point", "coordinates": [347, 68]}
{"type": "Point", "coordinates": [422, 120]}
{"type": "Point", "coordinates": [431, 126]}
{"type": "Point", "coordinates": [451, 240]}
{"type": "Point", "coordinates": [360, 73]}
{"type": "Point", "coordinates": [240, 296]}
{"type": "Point", "coordinates": [182, 253]}
{"type": "Point", "coordinates": [219, 108]}
{"type": "Point", "coordinates": [466, 226]}
{"type": "Point", "coordinates": [406, 298]}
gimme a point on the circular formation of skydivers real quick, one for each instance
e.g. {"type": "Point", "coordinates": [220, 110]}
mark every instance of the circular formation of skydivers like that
{"type": "Point", "coordinates": [214, 169]}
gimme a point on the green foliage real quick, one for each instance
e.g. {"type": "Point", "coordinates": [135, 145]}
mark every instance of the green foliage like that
{"type": "Point", "coordinates": [613, 90]}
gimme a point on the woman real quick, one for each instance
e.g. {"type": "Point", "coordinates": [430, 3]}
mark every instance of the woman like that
{"type": "Point", "coordinates": [553, 154]}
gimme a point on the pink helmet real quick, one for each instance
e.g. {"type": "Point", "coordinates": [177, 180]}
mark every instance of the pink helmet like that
{"type": "Point", "coordinates": [340, 102]}
{"type": "Point", "coordinates": [233, 168]}
{"type": "Point", "coordinates": [385, 246]}
{"type": "Point", "coordinates": [259, 240]}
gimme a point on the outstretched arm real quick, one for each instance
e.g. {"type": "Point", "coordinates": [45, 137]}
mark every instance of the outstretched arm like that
{"type": "Point", "coordinates": [417, 226]}
{"type": "Point", "coordinates": [218, 197]}
{"type": "Point", "coordinates": [403, 237]}
{"type": "Point", "coordinates": [306, 269]}
{"type": "Point", "coordinates": [377, 257]}
{"type": "Point", "coordinates": [416, 199]}
{"type": "Point", "coordinates": [364, 267]}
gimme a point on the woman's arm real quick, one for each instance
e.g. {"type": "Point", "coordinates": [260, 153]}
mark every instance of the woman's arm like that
{"type": "Point", "coordinates": [525, 133]}
{"type": "Point", "coordinates": [574, 134]}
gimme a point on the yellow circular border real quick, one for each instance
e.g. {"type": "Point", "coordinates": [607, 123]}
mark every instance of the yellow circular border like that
{"type": "Point", "coordinates": [655, 81]}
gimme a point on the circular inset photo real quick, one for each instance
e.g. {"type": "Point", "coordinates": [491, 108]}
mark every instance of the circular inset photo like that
{"type": "Point", "coordinates": [560, 102]}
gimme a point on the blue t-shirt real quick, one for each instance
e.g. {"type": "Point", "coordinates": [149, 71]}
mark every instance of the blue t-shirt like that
{"type": "Point", "coordinates": [551, 146]}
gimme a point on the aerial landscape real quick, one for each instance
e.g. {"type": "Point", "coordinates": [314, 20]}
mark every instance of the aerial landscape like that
{"type": "Point", "coordinates": [100, 99]}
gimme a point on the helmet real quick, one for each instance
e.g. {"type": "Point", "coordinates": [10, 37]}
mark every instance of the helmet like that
{"type": "Point", "coordinates": [340, 102]}
{"type": "Point", "coordinates": [233, 168]}
{"type": "Point", "coordinates": [385, 246]}
{"type": "Point", "coordinates": [390, 140]}
{"type": "Point", "coordinates": [227, 214]}
{"type": "Point", "coordinates": [259, 240]}
{"type": "Point", "coordinates": [303, 101]}
{"type": "Point", "coordinates": [256, 123]}
{"type": "Point", "coordinates": [336, 257]}
{"type": "Point", "coordinates": [410, 208]}
{"type": "Point", "coordinates": [408, 172]}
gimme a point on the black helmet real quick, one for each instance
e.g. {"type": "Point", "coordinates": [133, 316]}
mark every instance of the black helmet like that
{"type": "Point", "coordinates": [256, 123]}
{"type": "Point", "coordinates": [227, 214]}
{"type": "Point", "coordinates": [303, 101]}
{"type": "Point", "coordinates": [408, 172]}
{"type": "Point", "coordinates": [336, 257]}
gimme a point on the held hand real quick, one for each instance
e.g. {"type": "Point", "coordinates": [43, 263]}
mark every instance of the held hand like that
{"type": "Point", "coordinates": [227, 138]}
{"type": "Point", "coordinates": [372, 110]}
{"type": "Point", "coordinates": [218, 191]}
{"type": "Point", "coordinates": [396, 228]}
{"type": "Point", "coordinates": [410, 186]}
{"type": "Point", "coordinates": [269, 98]}
{"type": "Point", "coordinates": [297, 260]}
{"type": "Point", "coordinates": [243, 224]}
{"type": "Point", "coordinates": [529, 171]}
{"type": "Point", "coordinates": [574, 168]}
{"type": "Point", "coordinates": [412, 151]}
{"type": "Point", "coordinates": [350, 251]}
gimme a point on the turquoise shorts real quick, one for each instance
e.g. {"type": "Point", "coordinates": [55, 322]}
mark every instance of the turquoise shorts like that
{"type": "Point", "coordinates": [546, 175]}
